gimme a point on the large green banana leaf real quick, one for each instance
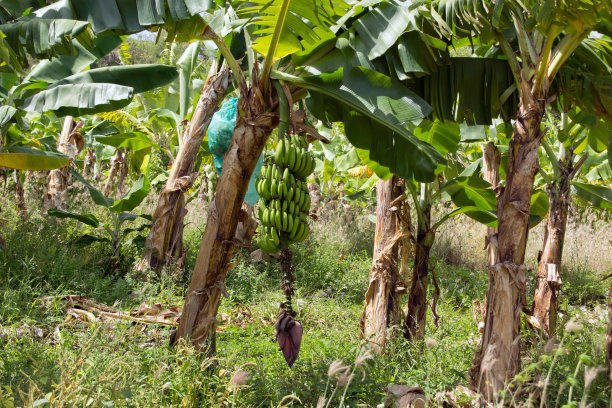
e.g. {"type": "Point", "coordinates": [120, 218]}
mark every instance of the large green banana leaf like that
{"type": "Point", "coordinates": [286, 26]}
{"type": "Point", "coordinates": [9, 61]}
{"type": "Point", "coordinates": [88, 219]}
{"type": "Point", "coordinates": [99, 90]}
{"type": "Point", "coordinates": [375, 111]}
{"type": "Point", "coordinates": [96, 195]}
{"type": "Point", "coordinates": [80, 99]}
{"type": "Point", "coordinates": [134, 141]}
{"type": "Point", "coordinates": [45, 37]}
{"type": "Point", "coordinates": [132, 199]}
{"type": "Point", "coordinates": [6, 114]}
{"type": "Point", "coordinates": [125, 16]}
{"type": "Point", "coordinates": [64, 66]}
{"type": "Point", "coordinates": [25, 158]}
{"type": "Point", "coordinates": [48, 31]}
{"type": "Point", "coordinates": [141, 78]}
{"type": "Point", "coordinates": [599, 196]}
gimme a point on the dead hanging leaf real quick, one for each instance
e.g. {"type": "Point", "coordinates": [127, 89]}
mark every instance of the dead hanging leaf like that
{"type": "Point", "coordinates": [289, 337]}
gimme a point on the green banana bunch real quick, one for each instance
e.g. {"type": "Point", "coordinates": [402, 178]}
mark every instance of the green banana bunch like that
{"type": "Point", "coordinates": [284, 202]}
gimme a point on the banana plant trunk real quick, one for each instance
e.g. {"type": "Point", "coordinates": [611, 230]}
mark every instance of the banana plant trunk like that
{"type": "Point", "coordinates": [165, 239]}
{"type": "Point", "coordinates": [122, 176]}
{"type": "Point", "coordinates": [491, 159]}
{"type": "Point", "coordinates": [498, 360]}
{"type": "Point", "coordinates": [382, 308]}
{"type": "Point", "coordinates": [115, 165]}
{"type": "Point", "coordinates": [549, 269]}
{"type": "Point", "coordinates": [254, 124]}
{"type": "Point", "coordinates": [90, 158]}
{"type": "Point", "coordinates": [417, 297]}
{"type": "Point", "coordinates": [70, 143]}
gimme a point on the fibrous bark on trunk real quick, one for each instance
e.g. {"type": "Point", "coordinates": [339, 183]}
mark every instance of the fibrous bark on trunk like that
{"type": "Point", "coordinates": [417, 297]}
{"type": "Point", "coordinates": [382, 308]}
{"type": "Point", "coordinates": [549, 268]}
{"type": "Point", "coordinates": [70, 143]}
{"type": "Point", "coordinates": [115, 165]}
{"type": "Point", "coordinates": [490, 172]}
{"type": "Point", "coordinates": [254, 124]}
{"type": "Point", "coordinates": [122, 175]}
{"type": "Point", "coordinates": [90, 158]}
{"type": "Point", "coordinates": [315, 198]}
{"type": "Point", "coordinates": [498, 360]}
{"type": "Point", "coordinates": [165, 239]}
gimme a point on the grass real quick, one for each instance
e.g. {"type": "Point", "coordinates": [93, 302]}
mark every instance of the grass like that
{"type": "Point", "coordinates": [121, 364]}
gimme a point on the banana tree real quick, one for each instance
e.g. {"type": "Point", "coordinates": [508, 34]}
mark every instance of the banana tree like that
{"type": "Point", "coordinates": [578, 153]}
{"type": "Point", "coordinates": [67, 29]}
{"type": "Point", "coordinates": [165, 238]}
{"type": "Point", "coordinates": [532, 52]}
{"type": "Point", "coordinates": [367, 94]}
{"type": "Point", "coordinates": [62, 87]}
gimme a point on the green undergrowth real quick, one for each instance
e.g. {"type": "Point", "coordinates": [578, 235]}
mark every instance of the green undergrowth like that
{"type": "Point", "coordinates": [101, 364]}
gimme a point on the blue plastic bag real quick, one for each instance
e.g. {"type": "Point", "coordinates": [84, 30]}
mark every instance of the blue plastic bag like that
{"type": "Point", "coordinates": [220, 133]}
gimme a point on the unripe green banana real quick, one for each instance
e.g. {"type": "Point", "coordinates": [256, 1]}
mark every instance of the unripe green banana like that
{"type": "Point", "coordinates": [292, 207]}
{"type": "Point", "coordinates": [300, 231]}
{"type": "Point", "coordinates": [289, 223]}
{"type": "Point", "coordinates": [267, 190]}
{"type": "Point", "coordinates": [290, 193]}
{"type": "Point", "coordinates": [295, 229]}
{"type": "Point", "coordinates": [266, 217]}
{"type": "Point", "coordinates": [304, 161]}
{"type": "Point", "coordinates": [279, 156]}
{"type": "Point", "coordinates": [274, 188]}
{"type": "Point", "coordinates": [304, 234]}
{"type": "Point", "coordinates": [298, 161]}
{"type": "Point", "coordinates": [284, 205]}
{"type": "Point", "coordinates": [291, 163]}
{"type": "Point", "coordinates": [275, 237]}
{"type": "Point", "coordinates": [284, 221]}
{"type": "Point", "coordinates": [306, 206]}
{"type": "Point", "coordinates": [286, 147]}
{"type": "Point", "coordinates": [263, 244]}
{"type": "Point", "coordinates": [286, 174]}
{"type": "Point", "coordinates": [278, 222]}
{"type": "Point", "coordinates": [307, 170]}
{"type": "Point", "coordinates": [300, 202]}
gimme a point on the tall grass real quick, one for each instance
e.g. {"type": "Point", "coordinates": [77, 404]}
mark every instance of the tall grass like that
{"type": "Point", "coordinates": [121, 364]}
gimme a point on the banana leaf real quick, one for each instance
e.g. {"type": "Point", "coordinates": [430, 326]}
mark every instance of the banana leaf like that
{"type": "Point", "coordinates": [26, 158]}
{"type": "Point", "coordinates": [88, 219]}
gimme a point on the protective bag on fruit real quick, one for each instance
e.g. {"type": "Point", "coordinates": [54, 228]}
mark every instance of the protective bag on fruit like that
{"type": "Point", "coordinates": [220, 133]}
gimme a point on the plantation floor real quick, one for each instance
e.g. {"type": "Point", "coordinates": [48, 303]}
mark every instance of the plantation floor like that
{"type": "Point", "coordinates": [45, 359]}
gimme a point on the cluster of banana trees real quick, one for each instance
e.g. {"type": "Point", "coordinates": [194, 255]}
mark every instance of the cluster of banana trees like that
{"type": "Point", "coordinates": [408, 80]}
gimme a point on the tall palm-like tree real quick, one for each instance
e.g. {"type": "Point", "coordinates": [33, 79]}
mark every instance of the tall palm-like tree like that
{"type": "Point", "coordinates": [527, 52]}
